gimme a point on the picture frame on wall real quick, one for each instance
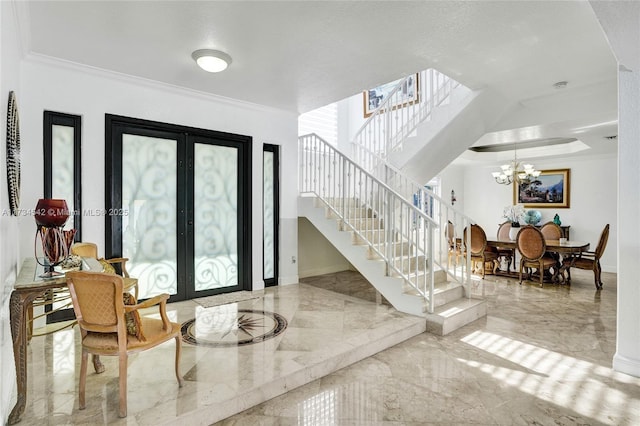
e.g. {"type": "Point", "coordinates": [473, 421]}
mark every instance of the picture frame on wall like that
{"type": "Point", "coordinates": [408, 95]}
{"type": "Point", "coordinates": [552, 189]}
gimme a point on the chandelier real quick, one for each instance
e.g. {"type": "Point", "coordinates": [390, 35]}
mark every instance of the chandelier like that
{"type": "Point", "coordinates": [515, 171]}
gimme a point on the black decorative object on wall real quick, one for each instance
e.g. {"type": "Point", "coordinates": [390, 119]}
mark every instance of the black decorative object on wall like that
{"type": "Point", "coordinates": [13, 154]}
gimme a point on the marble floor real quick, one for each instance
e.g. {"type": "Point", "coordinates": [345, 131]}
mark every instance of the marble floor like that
{"type": "Point", "coordinates": [541, 356]}
{"type": "Point", "coordinates": [239, 350]}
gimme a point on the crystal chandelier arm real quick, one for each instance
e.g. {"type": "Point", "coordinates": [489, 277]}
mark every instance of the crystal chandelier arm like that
{"type": "Point", "coordinates": [511, 172]}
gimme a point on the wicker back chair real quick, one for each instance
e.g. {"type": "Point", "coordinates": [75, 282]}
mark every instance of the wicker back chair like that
{"type": "Point", "coordinates": [590, 260]}
{"type": "Point", "coordinates": [551, 231]}
{"type": "Point", "coordinates": [103, 317]}
{"type": "Point", "coordinates": [455, 251]}
{"type": "Point", "coordinates": [508, 254]}
{"type": "Point", "coordinates": [113, 265]}
{"type": "Point", "coordinates": [532, 248]}
{"type": "Point", "coordinates": [478, 249]}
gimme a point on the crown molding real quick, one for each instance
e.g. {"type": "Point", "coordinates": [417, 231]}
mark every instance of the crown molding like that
{"type": "Point", "coordinates": [40, 59]}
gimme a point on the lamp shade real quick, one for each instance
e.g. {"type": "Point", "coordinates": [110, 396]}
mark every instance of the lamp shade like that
{"type": "Point", "coordinates": [51, 212]}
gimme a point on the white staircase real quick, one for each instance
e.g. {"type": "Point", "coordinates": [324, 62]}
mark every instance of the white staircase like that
{"type": "Point", "coordinates": [452, 309]}
{"type": "Point", "coordinates": [392, 243]}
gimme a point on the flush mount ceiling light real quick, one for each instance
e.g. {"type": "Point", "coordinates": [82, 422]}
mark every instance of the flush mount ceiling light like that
{"type": "Point", "coordinates": [211, 60]}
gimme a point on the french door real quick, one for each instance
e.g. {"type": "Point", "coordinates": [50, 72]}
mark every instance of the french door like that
{"type": "Point", "coordinates": [178, 207]}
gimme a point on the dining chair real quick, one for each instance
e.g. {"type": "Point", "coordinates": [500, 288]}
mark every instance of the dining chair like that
{"type": "Point", "coordinates": [108, 326]}
{"type": "Point", "coordinates": [551, 231]}
{"type": "Point", "coordinates": [589, 260]}
{"type": "Point", "coordinates": [530, 243]}
{"type": "Point", "coordinates": [455, 250]}
{"type": "Point", "coordinates": [116, 265]}
{"type": "Point", "coordinates": [508, 254]}
{"type": "Point", "coordinates": [479, 251]}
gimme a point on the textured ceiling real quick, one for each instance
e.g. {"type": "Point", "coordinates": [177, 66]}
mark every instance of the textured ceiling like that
{"type": "Point", "coordinates": [300, 55]}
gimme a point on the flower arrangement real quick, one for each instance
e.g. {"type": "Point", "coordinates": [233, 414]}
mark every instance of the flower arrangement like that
{"type": "Point", "coordinates": [514, 214]}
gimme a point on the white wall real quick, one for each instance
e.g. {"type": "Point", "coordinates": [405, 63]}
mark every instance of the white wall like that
{"type": "Point", "coordinates": [452, 178]}
{"type": "Point", "coordinates": [9, 80]}
{"type": "Point", "coordinates": [48, 85]}
{"type": "Point", "coordinates": [620, 20]}
{"type": "Point", "coordinates": [316, 255]}
{"type": "Point", "coordinates": [593, 201]}
{"type": "Point", "coordinates": [91, 94]}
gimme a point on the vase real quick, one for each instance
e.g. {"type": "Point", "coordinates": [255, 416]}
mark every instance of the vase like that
{"type": "Point", "coordinates": [513, 233]}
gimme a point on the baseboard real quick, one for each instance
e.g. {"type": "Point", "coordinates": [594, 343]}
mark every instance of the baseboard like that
{"type": "Point", "coordinates": [626, 365]}
{"type": "Point", "coordinates": [324, 270]}
{"type": "Point", "coordinates": [288, 280]}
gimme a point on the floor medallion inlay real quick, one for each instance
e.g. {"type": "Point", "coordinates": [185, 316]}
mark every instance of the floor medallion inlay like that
{"type": "Point", "coordinates": [233, 327]}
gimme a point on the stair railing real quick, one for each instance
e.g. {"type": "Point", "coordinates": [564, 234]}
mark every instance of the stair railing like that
{"type": "Point", "coordinates": [431, 204]}
{"type": "Point", "coordinates": [401, 234]}
{"type": "Point", "coordinates": [409, 103]}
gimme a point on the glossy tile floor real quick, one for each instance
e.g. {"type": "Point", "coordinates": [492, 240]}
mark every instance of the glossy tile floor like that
{"type": "Point", "coordinates": [541, 356]}
{"type": "Point", "coordinates": [314, 333]}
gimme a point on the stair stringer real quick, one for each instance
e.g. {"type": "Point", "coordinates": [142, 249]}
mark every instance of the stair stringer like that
{"type": "Point", "coordinates": [373, 270]}
{"type": "Point", "coordinates": [453, 129]}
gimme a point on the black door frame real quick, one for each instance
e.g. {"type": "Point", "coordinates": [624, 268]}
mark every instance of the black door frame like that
{"type": "Point", "coordinates": [51, 118]}
{"type": "Point", "coordinates": [115, 126]}
{"type": "Point", "coordinates": [275, 149]}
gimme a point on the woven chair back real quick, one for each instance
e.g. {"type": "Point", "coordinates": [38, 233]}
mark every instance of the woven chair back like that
{"type": "Point", "coordinates": [478, 240]}
{"type": "Point", "coordinates": [85, 250]}
{"type": "Point", "coordinates": [503, 230]}
{"type": "Point", "coordinates": [97, 299]}
{"type": "Point", "coordinates": [450, 232]}
{"type": "Point", "coordinates": [530, 243]}
{"type": "Point", "coordinates": [602, 244]}
{"type": "Point", "coordinates": [551, 231]}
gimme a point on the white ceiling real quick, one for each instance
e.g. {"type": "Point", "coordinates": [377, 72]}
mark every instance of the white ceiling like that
{"type": "Point", "coordinates": [300, 55]}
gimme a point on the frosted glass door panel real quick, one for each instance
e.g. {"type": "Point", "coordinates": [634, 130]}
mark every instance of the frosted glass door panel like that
{"type": "Point", "coordinates": [269, 215]}
{"type": "Point", "coordinates": [62, 185]}
{"type": "Point", "coordinates": [149, 213]}
{"type": "Point", "coordinates": [216, 216]}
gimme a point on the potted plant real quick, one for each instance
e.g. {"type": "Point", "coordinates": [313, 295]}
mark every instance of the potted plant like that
{"type": "Point", "coordinates": [514, 214]}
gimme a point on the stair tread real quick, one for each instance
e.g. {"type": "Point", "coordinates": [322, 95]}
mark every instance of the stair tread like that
{"type": "Point", "coordinates": [457, 306]}
{"type": "Point", "coordinates": [438, 287]}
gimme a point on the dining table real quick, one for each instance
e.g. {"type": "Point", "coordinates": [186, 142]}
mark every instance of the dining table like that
{"type": "Point", "coordinates": [568, 248]}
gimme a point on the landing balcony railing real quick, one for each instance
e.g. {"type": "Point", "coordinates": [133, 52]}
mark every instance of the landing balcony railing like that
{"type": "Point", "coordinates": [409, 103]}
{"type": "Point", "coordinates": [410, 242]}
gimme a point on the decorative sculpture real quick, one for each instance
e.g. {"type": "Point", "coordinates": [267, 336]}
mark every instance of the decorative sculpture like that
{"type": "Point", "coordinates": [50, 216]}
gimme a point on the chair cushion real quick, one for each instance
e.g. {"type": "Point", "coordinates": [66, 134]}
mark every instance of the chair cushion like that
{"type": "Point", "coordinates": [134, 323]}
{"type": "Point", "coordinates": [547, 262]}
{"type": "Point", "coordinates": [107, 267]}
{"type": "Point", "coordinates": [107, 343]}
{"type": "Point", "coordinates": [583, 263]}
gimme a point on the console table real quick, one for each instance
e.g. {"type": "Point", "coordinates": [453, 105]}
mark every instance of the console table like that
{"type": "Point", "coordinates": [27, 288]}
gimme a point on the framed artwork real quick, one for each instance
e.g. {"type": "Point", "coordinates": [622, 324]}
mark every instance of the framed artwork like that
{"type": "Point", "coordinates": [550, 190]}
{"type": "Point", "coordinates": [13, 154]}
{"type": "Point", "coordinates": [407, 95]}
